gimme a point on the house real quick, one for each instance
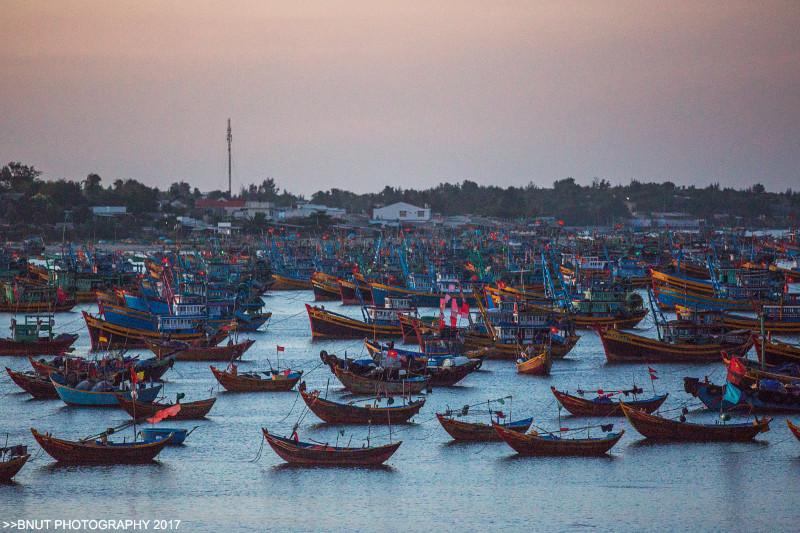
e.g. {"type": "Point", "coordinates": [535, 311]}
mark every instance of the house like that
{"type": "Point", "coordinates": [400, 212]}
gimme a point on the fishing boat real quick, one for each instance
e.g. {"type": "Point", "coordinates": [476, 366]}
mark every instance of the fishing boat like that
{"type": "Point", "coordinates": [783, 319]}
{"type": "Point", "coordinates": [694, 337]}
{"type": "Point", "coordinates": [164, 347]}
{"type": "Point", "coordinates": [794, 428]}
{"type": "Point", "coordinates": [288, 283]}
{"type": "Point", "coordinates": [176, 436]}
{"type": "Point", "coordinates": [603, 404]}
{"type": "Point", "coordinates": [265, 381]}
{"type": "Point", "coordinates": [535, 365]}
{"type": "Point", "coordinates": [98, 451]}
{"type": "Point", "coordinates": [365, 377]}
{"type": "Point", "coordinates": [377, 322]}
{"type": "Point", "coordinates": [478, 431]}
{"type": "Point", "coordinates": [189, 410]}
{"type": "Point", "coordinates": [765, 396]}
{"type": "Point", "coordinates": [33, 299]}
{"type": "Point", "coordinates": [101, 393]}
{"type": "Point", "coordinates": [658, 428]}
{"type": "Point", "coordinates": [312, 454]}
{"type": "Point", "coordinates": [367, 411]}
{"type": "Point", "coordinates": [326, 287]}
{"type": "Point", "coordinates": [551, 444]}
{"type": "Point", "coordinates": [38, 386]}
{"type": "Point", "coordinates": [12, 459]}
{"type": "Point", "coordinates": [105, 335]}
{"type": "Point", "coordinates": [774, 352]}
{"type": "Point", "coordinates": [355, 291]}
{"type": "Point", "coordinates": [183, 351]}
{"type": "Point", "coordinates": [443, 370]}
{"type": "Point", "coordinates": [35, 336]}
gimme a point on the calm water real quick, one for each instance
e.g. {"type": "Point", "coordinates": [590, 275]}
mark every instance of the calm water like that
{"type": "Point", "coordinates": [213, 484]}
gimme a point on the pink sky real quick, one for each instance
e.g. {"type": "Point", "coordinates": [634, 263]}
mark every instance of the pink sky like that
{"type": "Point", "coordinates": [361, 94]}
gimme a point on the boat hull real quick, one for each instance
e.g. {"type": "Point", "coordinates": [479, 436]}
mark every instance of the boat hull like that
{"type": "Point", "coordinates": [301, 453]}
{"type": "Point", "coordinates": [623, 347]}
{"type": "Point", "coordinates": [534, 445]}
{"type": "Point", "coordinates": [73, 452]}
{"type": "Point", "coordinates": [658, 428]}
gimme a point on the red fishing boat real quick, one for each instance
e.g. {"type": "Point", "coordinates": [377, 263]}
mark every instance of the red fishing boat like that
{"type": "Point", "coordinates": [603, 405]}
{"type": "Point", "coordinates": [352, 413]}
{"type": "Point", "coordinates": [305, 453]}
{"type": "Point", "coordinates": [98, 451]}
{"type": "Point", "coordinates": [552, 444]}
{"type": "Point", "coordinates": [658, 428]}
{"type": "Point", "coordinates": [38, 386]}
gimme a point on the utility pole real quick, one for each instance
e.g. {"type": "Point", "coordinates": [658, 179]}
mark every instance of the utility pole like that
{"type": "Point", "coordinates": [230, 139]}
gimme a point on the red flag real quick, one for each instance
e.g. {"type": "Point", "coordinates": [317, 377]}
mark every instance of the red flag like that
{"type": "Point", "coordinates": [500, 414]}
{"type": "Point", "coordinates": [281, 348]}
{"type": "Point", "coordinates": [464, 308]}
{"type": "Point", "coordinates": [453, 321]}
{"type": "Point", "coordinates": [736, 370]}
{"type": "Point", "coordinates": [134, 377]}
{"type": "Point", "coordinates": [172, 410]}
{"type": "Point", "coordinates": [653, 373]}
{"type": "Point", "coordinates": [392, 354]}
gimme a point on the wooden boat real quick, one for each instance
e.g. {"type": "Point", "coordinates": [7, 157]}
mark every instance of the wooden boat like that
{"type": "Point", "coordinates": [536, 444]}
{"type": "Point", "coordinates": [38, 386]}
{"type": "Point", "coordinates": [327, 324]}
{"type": "Point", "coordinates": [624, 347]}
{"type": "Point", "coordinates": [775, 352]}
{"type": "Point", "coordinates": [189, 410]}
{"type": "Point", "coordinates": [795, 429]}
{"type": "Point", "coordinates": [102, 398]}
{"type": "Point", "coordinates": [603, 405]}
{"type": "Point", "coordinates": [96, 451]}
{"type": "Point", "coordinates": [350, 413]}
{"type": "Point", "coordinates": [285, 283]}
{"type": "Point", "coordinates": [357, 292]}
{"type": "Point", "coordinates": [35, 336]}
{"type": "Point", "coordinates": [777, 327]}
{"type": "Point", "coordinates": [443, 370]}
{"type": "Point", "coordinates": [165, 347]}
{"type": "Point", "coordinates": [535, 365]}
{"type": "Point", "coordinates": [152, 368]}
{"type": "Point", "coordinates": [658, 428]}
{"type": "Point", "coordinates": [479, 432]}
{"type": "Point", "coordinates": [273, 381]}
{"type": "Point", "coordinates": [186, 352]}
{"type": "Point", "coordinates": [373, 386]}
{"type": "Point", "coordinates": [12, 459]}
{"type": "Point", "coordinates": [766, 396]}
{"type": "Point", "coordinates": [305, 453]}
{"type": "Point", "coordinates": [326, 287]}
{"type": "Point", "coordinates": [104, 335]}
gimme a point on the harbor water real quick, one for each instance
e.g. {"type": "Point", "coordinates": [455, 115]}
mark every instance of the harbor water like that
{"type": "Point", "coordinates": [225, 478]}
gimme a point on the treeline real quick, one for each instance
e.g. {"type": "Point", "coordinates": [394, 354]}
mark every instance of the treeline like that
{"type": "Point", "coordinates": [25, 198]}
{"type": "Point", "coordinates": [597, 204]}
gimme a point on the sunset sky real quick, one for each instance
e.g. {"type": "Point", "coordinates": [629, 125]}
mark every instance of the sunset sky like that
{"type": "Point", "coordinates": [363, 94]}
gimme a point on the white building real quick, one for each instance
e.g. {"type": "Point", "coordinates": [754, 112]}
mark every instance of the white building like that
{"type": "Point", "coordinates": [401, 212]}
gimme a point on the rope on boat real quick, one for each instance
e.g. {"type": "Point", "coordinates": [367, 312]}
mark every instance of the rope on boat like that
{"type": "Point", "coordinates": [260, 450]}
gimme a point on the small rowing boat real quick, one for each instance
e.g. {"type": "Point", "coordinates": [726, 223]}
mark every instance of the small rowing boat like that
{"type": "Point", "coordinates": [12, 459]}
{"type": "Point", "coordinates": [551, 444]}
{"type": "Point", "coordinates": [272, 381]}
{"type": "Point", "coordinates": [352, 413]}
{"type": "Point", "coordinates": [295, 451]}
{"type": "Point", "coordinates": [98, 451]}
{"type": "Point", "coordinates": [659, 428]}
{"type": "Point", "coordinates": [188, 411]}
{"type": "Point", "coordinates": [603, 405]}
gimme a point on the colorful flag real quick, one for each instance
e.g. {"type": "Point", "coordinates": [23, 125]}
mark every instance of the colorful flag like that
{"type": "Point", "coordinates": [653, 373]}
{"type": "Point", "coordinates": [732, 394]}
{"type": "Point", "coordinates": [736, 371]}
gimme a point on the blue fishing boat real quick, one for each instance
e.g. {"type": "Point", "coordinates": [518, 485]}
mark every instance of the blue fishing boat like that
{"type": "Point", "coordinates": [769, 396]}
{"type": "Point", "coordinates": [157, 434]}
{"type": "Point", "coordinates": [99, 393]}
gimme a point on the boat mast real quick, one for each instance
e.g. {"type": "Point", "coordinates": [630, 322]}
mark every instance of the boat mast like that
{"type": "Point", "coordinates": [230, 139]}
